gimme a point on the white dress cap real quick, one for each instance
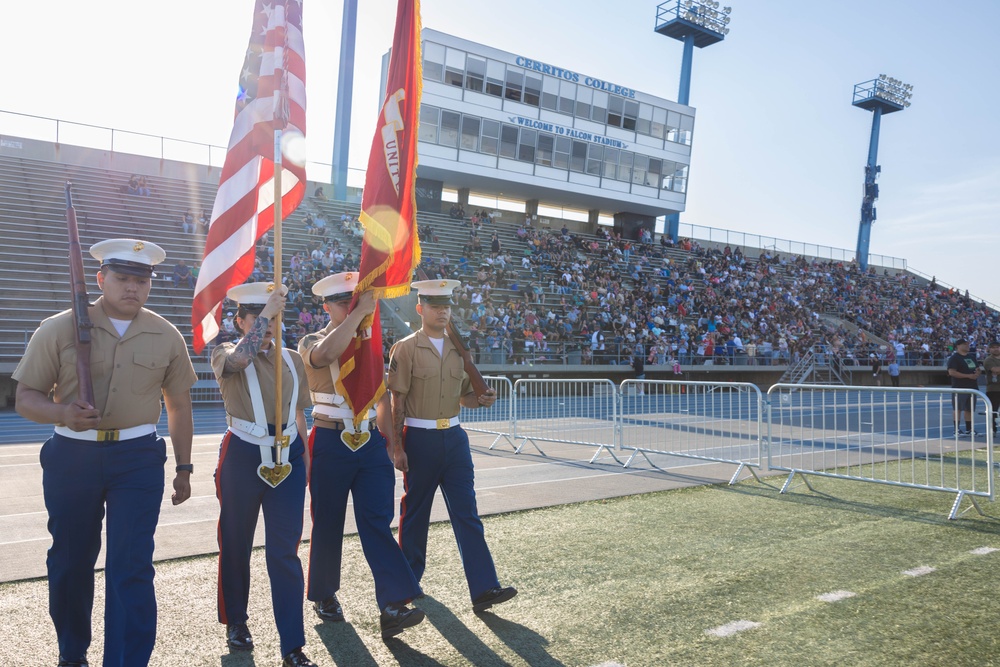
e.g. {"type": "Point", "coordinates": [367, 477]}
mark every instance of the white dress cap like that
{"type": "Point", "coordinates": [130, 256]}
{"type": "Point", "coordinates": [253, 294]}
{"type": "Point", "coordinates": [436, 291]}
{"type": "Point", "coordinates": [336, 287]}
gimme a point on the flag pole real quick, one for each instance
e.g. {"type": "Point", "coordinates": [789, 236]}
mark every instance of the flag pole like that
{"type": "Point", "coordinates": [279, 363]}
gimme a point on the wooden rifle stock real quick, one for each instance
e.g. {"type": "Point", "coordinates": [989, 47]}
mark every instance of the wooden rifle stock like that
{"type": "Point", "coordinates": [479, 385]}
{"type": "Point", "coordinates": [81, 304]}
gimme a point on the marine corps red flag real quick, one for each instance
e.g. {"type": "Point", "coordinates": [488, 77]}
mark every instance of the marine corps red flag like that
{"type": "Point", "coordinates": [390, 249]}
{"type": "Point", "coordinates": [271, 96]}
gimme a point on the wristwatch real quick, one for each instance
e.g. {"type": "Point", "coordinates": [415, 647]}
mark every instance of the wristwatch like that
{"type": "Point", "coordinates": [185, 467]}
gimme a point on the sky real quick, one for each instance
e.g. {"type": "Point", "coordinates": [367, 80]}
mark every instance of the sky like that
{"type": "Point", "coordinates": [778, 149]}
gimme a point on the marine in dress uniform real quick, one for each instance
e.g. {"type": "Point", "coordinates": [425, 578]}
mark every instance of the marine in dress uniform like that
{"type": "Point", "coordinates": [428, 383]}
{"type": "Point", "coordinates": [349, 460]}
{"type": "Point", "coordinates": [108, 456]}
{"type": "Point", "coordinates": [254, 472]}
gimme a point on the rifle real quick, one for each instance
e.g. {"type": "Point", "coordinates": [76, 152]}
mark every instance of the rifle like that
{"type": "Point", "coordinates": [81, 303]}
{"type": "Point", "coordinates": [479, 385]}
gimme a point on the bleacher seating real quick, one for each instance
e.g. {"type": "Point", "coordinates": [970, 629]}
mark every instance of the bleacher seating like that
{"type": "Point", "coordinates": [34, 272]}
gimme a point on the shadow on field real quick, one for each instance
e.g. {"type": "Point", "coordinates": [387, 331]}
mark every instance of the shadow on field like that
{"type": "Point", "coordinates": [344, 645]}
{"type": "Point", "coordinates": [920, 510]}
{"type": "Point", "coordinates": [525, 642]}
{"type": "Point", "coordinates": [238, 659]}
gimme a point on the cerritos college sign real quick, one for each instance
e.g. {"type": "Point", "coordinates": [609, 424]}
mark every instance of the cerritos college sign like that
{"type": "Point", "coordinates": [569, 75]}
{"type": "Point", "coordinates": [567, 132]}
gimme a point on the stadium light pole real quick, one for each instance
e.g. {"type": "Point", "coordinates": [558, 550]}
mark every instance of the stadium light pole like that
{"type": "Point", "coordinates": [881, 96]}
{"type": "Point", "coordinates": [345, 94]}
{"type": "Point", "coordinates": [698, 23]}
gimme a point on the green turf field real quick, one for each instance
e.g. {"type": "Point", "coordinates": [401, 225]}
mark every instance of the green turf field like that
{"type": "Point", "coordinates": [636, 581]}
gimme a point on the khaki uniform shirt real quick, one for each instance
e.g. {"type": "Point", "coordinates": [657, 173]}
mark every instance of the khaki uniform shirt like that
{"type": "Point", "coordinates": [992, 365]}
{"type": "Point", "coordinates": [129, 373]}
{"type": "Point", "coordinates": [320, 378]}
{"type": "Point", "coordinates": [236, 391]}
{"type": "Point", "coordinates": [431, 383]}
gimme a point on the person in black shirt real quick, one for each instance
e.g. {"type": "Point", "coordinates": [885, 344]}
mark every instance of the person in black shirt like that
{"type": "Point", "coordinates": [964, 373]}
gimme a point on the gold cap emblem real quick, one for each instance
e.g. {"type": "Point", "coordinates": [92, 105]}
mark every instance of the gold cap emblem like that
{"type": "Point", "coordinates": [270, 288]}
{"type": "Point", "coordinates": [139, 245]}
{"type": "Point", "coordinates": [443, 284]}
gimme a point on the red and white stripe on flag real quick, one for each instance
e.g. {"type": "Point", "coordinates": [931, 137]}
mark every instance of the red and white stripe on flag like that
{"type": "Point", "coordinates": [272, 95]}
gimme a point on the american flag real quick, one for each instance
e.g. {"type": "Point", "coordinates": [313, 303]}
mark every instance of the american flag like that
{"type": "Point", "coordinates": [272, 96]}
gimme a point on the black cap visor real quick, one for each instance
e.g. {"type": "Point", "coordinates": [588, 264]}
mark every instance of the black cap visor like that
{"type": "Point", "coordinates": [129, 268]}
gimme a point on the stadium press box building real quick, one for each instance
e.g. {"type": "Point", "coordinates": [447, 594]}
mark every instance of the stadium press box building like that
{"type": "Point", "coordinates": [496, 122]}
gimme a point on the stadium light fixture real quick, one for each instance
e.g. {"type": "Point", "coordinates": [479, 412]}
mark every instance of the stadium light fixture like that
{"type": "Point", "coordinates": [696, 23]}
{"type": "Point", "coordinates": [885, 94]}
{"type": "Point", "coordinates": [702, 18]}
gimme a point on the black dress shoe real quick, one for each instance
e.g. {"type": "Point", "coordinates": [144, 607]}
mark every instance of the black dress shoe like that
{"type": "Point", "coordinates": [73, 663]}
{"type": "Point", "coordinates": [492, 597]}
{"type": "Point", "coordinates": [397, 617]}
{"type": "Point", "coordinates": [238, 637]}
{"type": "Point", "coordinates": [329, 609]}
{"type": "Point", "coordinates": [297, 659]}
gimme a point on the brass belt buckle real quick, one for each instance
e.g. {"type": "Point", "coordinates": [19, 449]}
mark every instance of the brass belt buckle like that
{"type": "Point", "coordinates": [107, 435]}
{"type": "Point", "coordinates": [443, 423]}
{"type": "Point", "coordinates": [282, 441]}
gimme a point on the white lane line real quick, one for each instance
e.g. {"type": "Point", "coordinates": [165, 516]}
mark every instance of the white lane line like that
{"type": "Point", "coordinates": [835, 596]}
{"type": "Point", "coordinates": [918, 571]}
{"type": "Point", "coordinates": [982, 551]}
{"type": "Point", "coordinates": [732, 628]}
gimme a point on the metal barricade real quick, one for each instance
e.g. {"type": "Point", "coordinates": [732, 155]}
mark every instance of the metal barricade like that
{"type": "Point", "coordinates": [710, 421]}
{"type": "Point", "coordinates": [888, 435]}
{"type": "Point", "coordinates": [579, 412]}
{"type": "Point", "coordinates": [497, 420]}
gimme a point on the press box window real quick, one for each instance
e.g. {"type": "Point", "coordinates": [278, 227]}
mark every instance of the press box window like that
{"type": "Point", "coordinates": [449, 128]}
{"type": "Point", "coordinates": [616, 107]}
{"type": "Point", "coordinates": [428, 124]}
{"type": "Point", "coordinates": [625, 165]}
{"type": "Point", "coordinates": [433, 61]}
{"type": "Point", "coordinates": [594, 159]}
{"type": "Point", "coordinates": [475, 73]}
{"type": "Point", "coordinates": [610, 162]}
{"type": "Point", "coordinates": [673, 126]}
{"type": "Point", "coordinates": [532, 89]}
{"type": "Point", "coordinates": [639, 168]}
{"type": "Point", "coordinates": [567, 97]}
{"type": "Point", "coordinates": [653, 175]}
{"type": "Point", "coordinates": [631, 114]}
{"type": "Point", "coordinates": [643, 125]}
{"type": "Point", "coordinates": [546, 145]}
{"type": "Point", "coordinates": [550, 93]}
{"type": "Point", "coordinates": [470, 133]}
{"type": "Point", "coordinates": [494, 78]}
{"type": "Point", "coordinates": [561, 158]}
{"type": "Point", "coordinates": [584, 98]}
{"type": "Point", "coordinates": [578, 162]}
{"type": "Point", "coordinates": [454, 69]}
{"type": "Point", "coordinates": [508, 141]}
{"type": "Point", "coordinates": [526, 147]}
{"type": "Point", "coordinates": [658, 128]}
{"type": "Point", "coordinates": [491, 137]}
{"type": "Point", "coordinates": [599, 110]}
{"type": "Point", "coordinates": [515, 84]}
{"type": "Point", "coordinates": [687, 129]}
